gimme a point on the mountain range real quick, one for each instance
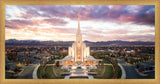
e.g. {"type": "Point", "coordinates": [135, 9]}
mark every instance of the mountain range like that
{"type": "Point", "coordinates": [69, 43]}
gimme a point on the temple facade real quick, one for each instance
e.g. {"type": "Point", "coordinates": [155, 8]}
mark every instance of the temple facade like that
{"type": "Point", "coordinates": [79, 54]}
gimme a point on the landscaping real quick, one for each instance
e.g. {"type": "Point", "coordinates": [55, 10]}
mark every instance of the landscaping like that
{"type": "Point", "coordinates": [119, 73]}
{"type": "Point", "coordinates": [50, 72]}
{"type": "Point", "coordinates": [103, 72]}
{"type": "Point", "coordinates": [106, 72]}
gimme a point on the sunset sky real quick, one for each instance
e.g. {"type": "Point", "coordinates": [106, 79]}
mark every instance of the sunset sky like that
{"type": "Point", "coordinates": [98, 22]}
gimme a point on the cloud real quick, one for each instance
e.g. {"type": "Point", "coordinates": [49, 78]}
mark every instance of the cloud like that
{"type": "Point", "coordinates": [145, 15]}
{"type": "Point", "coordinates": [41, 34]}
{"type": "Point", "coordinates": [104, 22]}
{"type": "Point", "coordinates": [49, 10]}
{"type": "Point", "coordinates": [16, 24]}
{"type": "Point", "coordinates": [55, 21]}
{"type": "Point", "coordinates": [101, 37]}
{"type": "Point", "coordinates": [147, 37]}
{"type": "Point", "coordinates": [137, 14]}
{"type": "Point", "coordinates": [119, 31]}
{"type": "Point", "coordinates": [147, 31]}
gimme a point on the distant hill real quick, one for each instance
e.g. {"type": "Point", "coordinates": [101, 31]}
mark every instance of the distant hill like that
{"type": "Point", "coordinates": [69, 43]}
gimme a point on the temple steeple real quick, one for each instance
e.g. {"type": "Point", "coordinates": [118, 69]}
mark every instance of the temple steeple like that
{"type": "Point", "coordinates": [79, 35]}
{"type": "Point", "coordinates": [79, 31]}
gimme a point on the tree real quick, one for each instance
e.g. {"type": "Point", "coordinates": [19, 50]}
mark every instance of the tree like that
{"type": "Point", "coordinates": [24, 61]}
{"type": "Point", "coordinates": [27, 61]}
{"type": "Point", "coordinates": [57, 63]}
{"type": "Point", "coordinates": [17, 59]}
{"type": "Point", "coordinates": [30, 61]}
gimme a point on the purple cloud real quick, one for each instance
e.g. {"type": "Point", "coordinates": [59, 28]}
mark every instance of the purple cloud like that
{"type": "Point", "coordinates": [15, 24]}
{"type": "Point", "coordinates": [145, 14]}
{"type": "Point", "coordinates": [55, 21]}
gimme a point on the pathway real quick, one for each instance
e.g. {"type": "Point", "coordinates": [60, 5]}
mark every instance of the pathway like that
{"type": "Point", "coordinates": [27, 72]}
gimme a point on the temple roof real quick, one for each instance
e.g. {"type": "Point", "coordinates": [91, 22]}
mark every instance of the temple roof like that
{"type": "Point", "coordinates": [91, 58]}
{"type": "Point", "coordinates": [67, 58]}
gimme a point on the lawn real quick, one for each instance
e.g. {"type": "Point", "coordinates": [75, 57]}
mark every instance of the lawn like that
{"type": "Point", "coordinates": [100, 70]}
{"type": "Point", "coordinates": [47, 73]}
{"type": "Point", "coordinates": [108, 72]}
{"type": "Point", "coordinates": [50, 72]}
{"type": "Point", "coordinates": [58, 71]}
{"type": "Point", "coordinates": [39, 72]}
{"type": "Point", "coordinates": [119, 72]}
{"type": "Point", "coordinates": [104, 72]}
{"type": "Point", "coordinates": [106, 62]}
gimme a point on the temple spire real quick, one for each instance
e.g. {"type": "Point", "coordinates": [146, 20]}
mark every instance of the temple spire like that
{"type": "Point", "coordinates": [79, 35]}
{"type": "Point", "coordinates": [78, 31]}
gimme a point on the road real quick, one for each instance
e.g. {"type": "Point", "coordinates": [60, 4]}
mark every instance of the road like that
{"type": "Point", "coordinates": [131, 73]}
{"type": "Point", "coordinates": [27, 72]}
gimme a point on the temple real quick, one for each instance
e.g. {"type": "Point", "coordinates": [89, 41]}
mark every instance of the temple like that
{"type": "Point", "coordinates": [79, 55]}
{"type": "Point", "coordinates": [79, 52]}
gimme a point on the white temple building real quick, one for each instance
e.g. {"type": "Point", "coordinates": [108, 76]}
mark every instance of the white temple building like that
{"type": "Point", "coordinates": [79, 55]}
